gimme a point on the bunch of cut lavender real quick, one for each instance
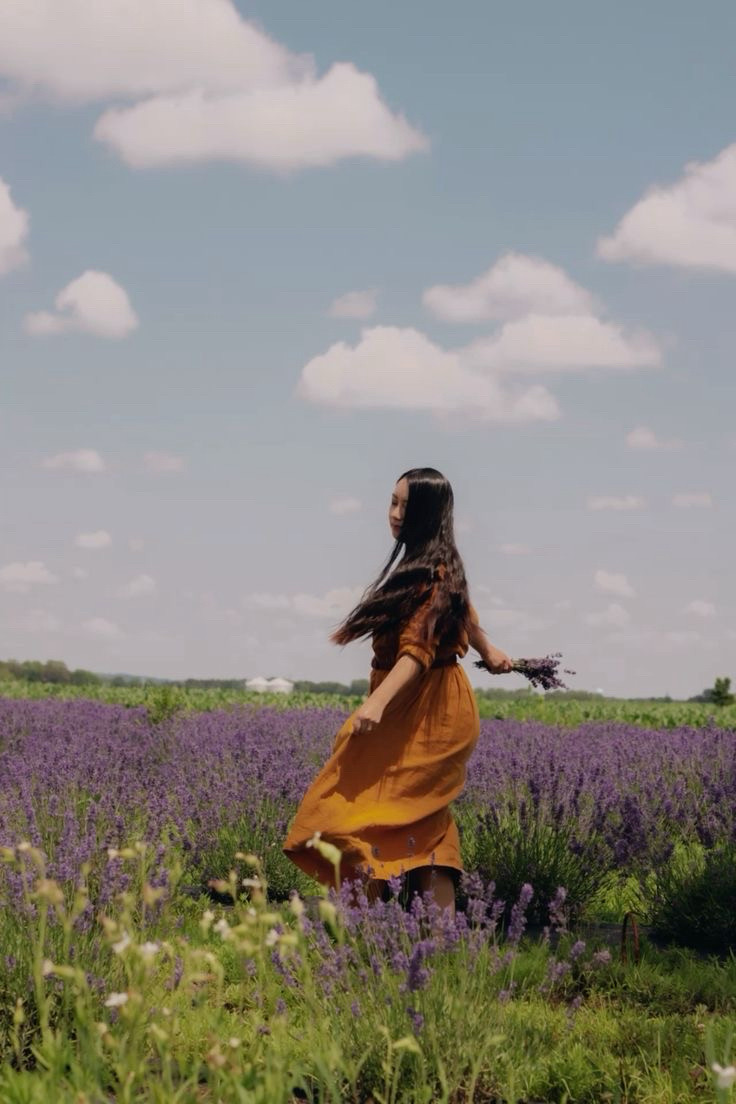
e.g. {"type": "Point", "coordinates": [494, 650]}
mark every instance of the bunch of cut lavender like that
{"type": "Point", "coordinates": [540, 672]}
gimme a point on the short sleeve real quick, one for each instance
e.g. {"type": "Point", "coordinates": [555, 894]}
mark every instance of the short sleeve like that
{"type": "Point", "coordinates": [418, 637]}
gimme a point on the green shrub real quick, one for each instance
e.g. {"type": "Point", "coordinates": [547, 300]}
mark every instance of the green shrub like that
{"type": "Point", "coordinates": [694, 903]}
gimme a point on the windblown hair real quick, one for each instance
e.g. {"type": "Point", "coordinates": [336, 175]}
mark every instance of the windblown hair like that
{"type": "Point", "coordinates": [428, 539]}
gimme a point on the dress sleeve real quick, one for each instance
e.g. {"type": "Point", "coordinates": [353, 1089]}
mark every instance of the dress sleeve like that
{"type": "Point", "coordinates": [418, 637]}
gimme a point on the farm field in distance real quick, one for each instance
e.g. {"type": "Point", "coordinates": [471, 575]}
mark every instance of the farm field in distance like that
{"type": "Point", "coordinates": [157, 945]}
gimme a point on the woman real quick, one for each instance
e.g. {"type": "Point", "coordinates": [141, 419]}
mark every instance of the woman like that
{"type": "Point", "coordinates": [398, 761]}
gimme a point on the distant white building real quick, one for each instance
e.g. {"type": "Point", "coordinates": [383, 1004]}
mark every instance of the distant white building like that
{"type": "Point", "coordinates": [272, 686]}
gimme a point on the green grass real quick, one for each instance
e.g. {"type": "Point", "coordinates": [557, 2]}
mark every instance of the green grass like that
{"type": "Point", "coordinates": [554, 708]}
{"type": "Point", "coordinates": [203, 1019]}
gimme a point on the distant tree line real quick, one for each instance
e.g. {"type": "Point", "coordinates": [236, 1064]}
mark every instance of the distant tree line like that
{"type": "Point", "coordinates": [54, 670]}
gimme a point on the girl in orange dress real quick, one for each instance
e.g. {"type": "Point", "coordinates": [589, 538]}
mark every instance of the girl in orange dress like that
{"type": "Point", "coordinates": [399, 759]}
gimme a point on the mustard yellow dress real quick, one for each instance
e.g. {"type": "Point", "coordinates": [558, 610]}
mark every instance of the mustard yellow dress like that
{"type": "Point", "coordinates": [383, 797]}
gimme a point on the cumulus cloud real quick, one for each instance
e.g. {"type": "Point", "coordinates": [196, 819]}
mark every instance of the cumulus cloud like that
{"type": "Point", "coordinates": [18, 578]}
{"type": "Point", "coordinates": [689, 224]}
{"type": "Point", "coordinates": [99, 539]}
{"type": "Point", "coordinates": [316, 122]}
{"type": "Point", "coordinates": [14, 223]}
{"type": "Point", "coordinates": [688, 500]}
{"type": "Point", "coordinates": [266, 601]}
{"type": "Point", "coordinates": [515, 549]}
{"type": "Point", "coordinates": [232, 93]}
{"type": "Point", "coordinates": [94, 303]}
{"type": "Point", "coordinates": [138, 587]}
{"type": "Point", "coordinates": [345, 504]}
{"type": "Point", "coordinates": [613, 583]}
{"type": "Point", "coordinates": [81, 460]}
{"type": "Point", "coordinates": [550, 323]}
{"type": "Point", "coordinates": [645, 439]}
{"type": "Point", "coordinates": [616, 502]}
{"type": "Point", "coordinates": [395, 368]}
{"type": "Point", "coordinates": [540, 343]}
{"type": "Point", "coordinates": [335, 603]}
{"type": "Point", "coordinates": [700, 608]}
{"type": "Point", "coordinates": [518, 620]}
{"type": "Point", "coordinates": [164, 462]}
{"type": "Point", "coordinates": [516, 285]}
{"type": "Point", "coordinates": [354, 304]}
{"type": "Point", "coordinates": [101, 628]}
{"type": "Point", "coordinates": [613, 614]}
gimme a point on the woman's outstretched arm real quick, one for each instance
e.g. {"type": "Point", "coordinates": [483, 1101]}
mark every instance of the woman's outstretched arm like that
{"type": "Point", "coordinates": [488, 652]}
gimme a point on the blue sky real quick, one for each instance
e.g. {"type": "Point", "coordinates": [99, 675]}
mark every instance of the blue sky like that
{"type": "Point", "coordinates": [530, 209]}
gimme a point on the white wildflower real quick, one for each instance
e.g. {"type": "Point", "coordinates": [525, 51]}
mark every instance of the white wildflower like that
{"type": "Point", "coordinates": [116, 1000]}
{"type": "Point", "coordinates": [725, 1075]}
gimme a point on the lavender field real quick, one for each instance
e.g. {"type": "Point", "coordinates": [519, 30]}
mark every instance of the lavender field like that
{"type": "Point", "coordinates": [123, 818]}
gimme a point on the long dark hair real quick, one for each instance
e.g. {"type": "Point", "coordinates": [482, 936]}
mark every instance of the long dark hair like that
{"type": "Point", "coordinates": [428, 539]}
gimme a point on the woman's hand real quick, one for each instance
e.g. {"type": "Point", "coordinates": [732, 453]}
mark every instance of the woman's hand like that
{"type": "Point", "coordinates": [498, 662]}
{"type": "Point", "coordinates": [366, 717]}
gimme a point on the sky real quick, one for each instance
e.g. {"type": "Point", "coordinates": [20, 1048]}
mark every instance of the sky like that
{"type": "Point", "coordinates": [257, 260]}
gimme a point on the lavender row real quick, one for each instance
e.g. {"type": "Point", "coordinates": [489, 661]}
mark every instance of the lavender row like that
{"type": "Point", "coordinates": [79, 777]}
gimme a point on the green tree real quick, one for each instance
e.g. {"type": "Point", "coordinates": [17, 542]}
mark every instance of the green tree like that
{"type": "Point", "coordinates": [721, 692]}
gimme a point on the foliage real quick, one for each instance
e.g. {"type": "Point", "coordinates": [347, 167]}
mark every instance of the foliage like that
{"type": "Point", "coordinates": [694, 899]}
{"type": "Point", "coordinates": [160, 998]}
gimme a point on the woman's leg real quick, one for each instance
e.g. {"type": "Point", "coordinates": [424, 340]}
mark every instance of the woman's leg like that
{"type": "Point", "coordinates": [437, 881]}
{"type": "Point", "coordinates": [374, 889]}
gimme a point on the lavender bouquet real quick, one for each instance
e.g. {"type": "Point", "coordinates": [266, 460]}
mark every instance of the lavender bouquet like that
{"type": "Point", "coordinates": [540, 672]}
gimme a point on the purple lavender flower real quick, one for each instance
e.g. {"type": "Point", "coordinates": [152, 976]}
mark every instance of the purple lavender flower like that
{"type": "Point", "coordinates": [540, 672]}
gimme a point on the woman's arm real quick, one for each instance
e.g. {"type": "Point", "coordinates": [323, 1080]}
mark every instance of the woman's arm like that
{"type": "Point", "coordinates": [492, 656]}
{"type": "Point", "coordinates": [404, 671]}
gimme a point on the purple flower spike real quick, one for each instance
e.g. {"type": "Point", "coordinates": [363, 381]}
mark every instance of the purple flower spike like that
{"type": "Point", "coordinates": [540, 672]}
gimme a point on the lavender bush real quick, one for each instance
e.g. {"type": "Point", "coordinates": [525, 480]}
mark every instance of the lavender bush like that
{"type": "Point", "coordinates": [78, 777]}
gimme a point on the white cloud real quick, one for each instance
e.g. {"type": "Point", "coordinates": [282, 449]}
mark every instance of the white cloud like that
{"type": "Point", "coordinates": [316, 122]}
{"type": "Point", "coordinates": [80, 572]}
{"type": "Point", "coordinates": [208, 84]}
{"type": "Point", "coordinates": [345, 504]}
{"type": "Point", "coordinates": [515, 549]}
{"type": "Point", "coordinates": [613, 614]}
{"type": "Point", "coordinates": [700, 608]}
{"type": "Point", "coordinates": [79, 52]}
{"type": "Point", "coordinates": [102, 628]}
{"type": "Point", "coordinates": [687, 500]}
{"type": "Point", "coordinates": [135, 544]}
{"type": "Point", "coordinates": [691, 223]}
{"type": "Point", "coordinates": [81, 460]}
{"type": "Point", "coordinates": [264, 600]}
{"type": "Point", "coordinates": [516, 285]}
{"type": "Point", "coordinates": [560, 343]}
{"type": "Point", "coordinates": [94, 303]}
{"type": "Point", "coordinates": [614, 502]}
{"type": "Point", "coordinates": [394, 368]}
{"type": "Point", "coordinates": [99, 539]}
{"type": "Point", "coordinates": [139, 586]}
{"type": "Point", "coordinates": [335, 603]}
{"type": "Point", "coordinates": [18, 578]}
{"type": "Point", "coordinates": [512, 619]}
{"type": "Point", "coordinates": [13, 231]}
{"type": "Point", "coordinates": [164, 462]}
{"type": "Point", "coordinates": [36, 621]}
{"type": "Point", "coordinates": [644, 438]}
{"type": "Point", "coordinates": [613, 583]}
{"type": "Point", "coordinates": [354, 304]}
